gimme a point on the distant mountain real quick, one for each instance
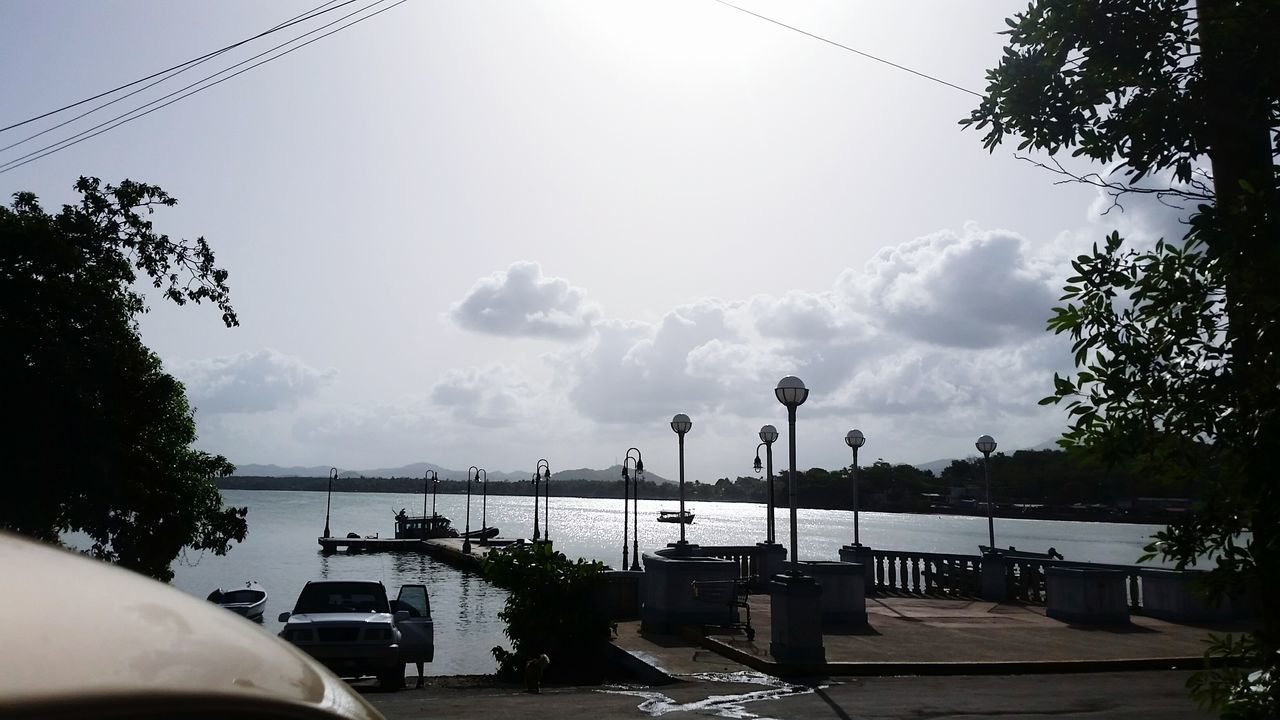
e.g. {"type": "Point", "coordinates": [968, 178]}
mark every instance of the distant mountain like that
{"type": "Point", "coordinates": [608, 474]}
{"type": "Point", "coordinates": [418, 469]}
{"type": "Point", "coordinates": [937, 466]}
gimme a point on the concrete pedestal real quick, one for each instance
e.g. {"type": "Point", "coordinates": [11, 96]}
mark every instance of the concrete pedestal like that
{"type": "Point", "coordinates": [620, 592]}
{"type": "Point", "coordinates": [1086, 595]}
{"type": "Point", "coordinates": [995, 578]}
{"type": "Point", "coordinates": [796, 618]}
{"type": "Point", "coordinates": [773, 560]}
{"type": "Point", "coordinates": [861, 554]}
{"type": "Point", "coordinates": [1172, 595]}
{"type": "Point", "coordinates": [843, 601]}
{"type": "Point", "coordinates": [667, 590]}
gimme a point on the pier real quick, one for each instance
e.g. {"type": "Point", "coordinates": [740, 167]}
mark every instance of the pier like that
{"type": "Point", "coordinates": [446, 550]}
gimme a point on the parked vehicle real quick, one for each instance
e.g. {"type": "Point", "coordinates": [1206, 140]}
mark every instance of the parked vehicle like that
{"type": "Point", "coordinates": [248, 601]}
{"type": "Point", "coordinates": [349, 626]}
{"type": "Point", "coordinates": [142, 649]}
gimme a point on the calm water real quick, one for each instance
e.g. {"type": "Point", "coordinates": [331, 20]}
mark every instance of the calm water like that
{"type": "Point", "coordinates": [281, 550]}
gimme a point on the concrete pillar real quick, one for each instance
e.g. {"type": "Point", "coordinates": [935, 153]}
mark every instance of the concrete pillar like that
{"type": "Point", "coordinates": [843, 602]}
{"type": "Point", "coordinates": [995, 577]}
{"type": "Point", "coordinates": [861, 554]}
{"type": "Point", "coordinates": [795, 612]}
{"type": "Point", "coordinates": [773, 559]}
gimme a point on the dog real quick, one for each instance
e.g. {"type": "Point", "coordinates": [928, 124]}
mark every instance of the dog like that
{"type": "Point", "coordinates": [533, 673]}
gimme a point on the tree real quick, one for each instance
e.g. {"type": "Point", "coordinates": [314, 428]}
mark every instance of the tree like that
{"type": "Point", "coordinates": [554, 606]}
{"type": "Point", "coordinates": [99, 436]}
{"type": "Point", "coordinates": [1175, 345]}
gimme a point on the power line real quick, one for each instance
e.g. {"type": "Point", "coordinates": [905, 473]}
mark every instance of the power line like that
{"type": "Point", "coordinates": [310, 14]}
{"type": "Point", "coordinates": [180, 67]}
{"type": "Point", "coordinates": [852, 50]}
{"type": "Point", "coordinates": [112, 124]}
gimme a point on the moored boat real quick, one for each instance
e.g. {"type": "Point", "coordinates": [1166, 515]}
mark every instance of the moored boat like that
{"type": "Point", "coordinates": [423, 528]}
{"type": "Point", "coordinates": [248, 601]}
{"type": "Point", "coordinates": [675, 516]}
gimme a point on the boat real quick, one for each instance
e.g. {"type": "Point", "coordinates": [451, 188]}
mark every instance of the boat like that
{"type": "Point", "coordinates": [1016, 554]}
{"type": "Point", "coordinates": [482, 534]}
{"type": "Point", "coordinates": [418, 527]}
{"type": "Point", "coordinates": [248, 601]}
{"type": "Point", "coordinates": [675, 516]}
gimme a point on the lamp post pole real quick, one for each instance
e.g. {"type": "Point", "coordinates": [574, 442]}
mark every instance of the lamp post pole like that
{"type": "Point", "coordinates": [625, 480]}
{"type": "Point", "coordinates": [466, 535]}
{"type": "Point", "coordinates": [768, 435]}
{"type": "Point", "coordinates": [484, 504]}
{"type": "Point", "coordinates": [546, 498]}
{"type": "Point", "coordinates": [333, 475]}
{"type": "Point", "coordinates": [681, 424]}
{"type": "Point", "coordinates": [435, 488]}
{"type": "Point", "coordinates": [537, 478]}
{"type": "Point", "coordinates": [986, 445]}
{"type": "Point", "coordinates": [635, 508]}
{"type": "Point", "coordinates": [425, 477]}
{"type": "Point", "coordinates": [792, 393]}
{"type": "Point", "coordinates": [855, 439]}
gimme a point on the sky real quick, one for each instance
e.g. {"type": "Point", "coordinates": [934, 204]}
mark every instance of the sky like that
{"type": "Point", "coordinates": [484, 233]}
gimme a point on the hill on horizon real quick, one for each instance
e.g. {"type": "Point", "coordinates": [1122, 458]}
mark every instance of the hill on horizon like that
{"type": "Point", "coordinates": [418, 469]}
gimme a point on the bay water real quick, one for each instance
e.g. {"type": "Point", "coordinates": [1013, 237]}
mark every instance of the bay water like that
{"type": "Point", "coordinates": [282, 554]}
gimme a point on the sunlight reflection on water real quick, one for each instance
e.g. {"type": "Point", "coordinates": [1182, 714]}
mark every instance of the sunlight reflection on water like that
{"type": "Point", "coordinates": [281, 550]}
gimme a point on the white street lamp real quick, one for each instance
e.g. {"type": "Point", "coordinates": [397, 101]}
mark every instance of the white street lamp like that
{"type": "Point", "coordinates": [855, 439]}
{"type": "Point", "coordinates": [792, 393]}
{"type": "Point", "coordinates": [681, 424]}
{"type": "Point", "coordinates": [987, 445]}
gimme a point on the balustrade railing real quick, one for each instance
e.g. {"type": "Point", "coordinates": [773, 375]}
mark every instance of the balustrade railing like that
{"type": "Point", "coordinates": [1026, 581]}
{"type": "Point", "coordinates": [917, 573]}
{"type": "Point", "coordinates": [942, 574]}
{"type": "Point", "coordinates": [746, 556]}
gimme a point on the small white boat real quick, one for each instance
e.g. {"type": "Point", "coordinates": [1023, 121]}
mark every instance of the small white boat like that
{"type": "Point", "coordinates": [248, 601]}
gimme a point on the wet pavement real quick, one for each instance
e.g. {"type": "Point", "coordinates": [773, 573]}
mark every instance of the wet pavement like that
{"type": "Point", "coordinates": [994, 660]}
{"type": "Point", "coordinates": [1100, 696]}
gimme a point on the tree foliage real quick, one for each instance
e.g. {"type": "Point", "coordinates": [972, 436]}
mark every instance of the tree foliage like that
{"type": "Point", "coordinates": [553, 606]}
{"type": "Point", "coordinates": [1177, 346]}
{"type": "Point", "coordinates": [98, 438]}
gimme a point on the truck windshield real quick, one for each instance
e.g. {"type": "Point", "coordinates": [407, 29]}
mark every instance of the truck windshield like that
{"type": "Point", "coordinates": [331, 597]}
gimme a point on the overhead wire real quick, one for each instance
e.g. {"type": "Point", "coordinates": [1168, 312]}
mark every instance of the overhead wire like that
{"type": "Point", "coordinates": [310, 14]}
{"type": "Point", "coordinates": [123, 118]}
{"type": "Point", "coordinates": [856, 51]}
{"type": "Point", "coordinates": [185, 67]}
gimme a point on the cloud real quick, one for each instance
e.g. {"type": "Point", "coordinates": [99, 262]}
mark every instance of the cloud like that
{"type": "Point", "coordinates": [520, 302]}
{"type": "Point", "coordinates": [975, 289]}
{"type": "Point", "coordinates": [492, 396]}
{"type": "Point", "coordinates": [250, 382]}
{"type": "Point", "coordinates": [947, 322]}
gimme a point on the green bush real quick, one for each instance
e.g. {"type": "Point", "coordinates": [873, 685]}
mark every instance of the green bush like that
{"type": "Point", "coordinates": [553, 607]}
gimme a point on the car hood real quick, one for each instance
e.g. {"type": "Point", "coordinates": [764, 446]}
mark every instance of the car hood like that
{"type": "Point", "coordinates": [324, 618]}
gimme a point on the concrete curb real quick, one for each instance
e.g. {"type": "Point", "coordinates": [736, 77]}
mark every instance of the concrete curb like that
{"type": "Point", "coordinates": [642, 665]}
{"type": "Point", "coordinates": [994, 667]}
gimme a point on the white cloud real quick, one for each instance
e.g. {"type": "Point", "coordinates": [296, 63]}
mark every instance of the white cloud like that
{"type": "Point", "coordinates": [492, 396]}
{"type": "Point", "coordinates": [521, 302]}
{"type": "Point", "coordinates": [976, 289]}
{"type": "Point", "coordinates": [250, 382]}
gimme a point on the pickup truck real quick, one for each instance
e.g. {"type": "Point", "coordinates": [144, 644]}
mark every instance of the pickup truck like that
{"type": "Point", "coordinates": [351, 628]}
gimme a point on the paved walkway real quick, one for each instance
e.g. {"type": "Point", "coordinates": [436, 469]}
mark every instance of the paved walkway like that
{"type": "Point", "coordinates": [937, 636]}
{"type": "Point", "coordinates": [982, 650]}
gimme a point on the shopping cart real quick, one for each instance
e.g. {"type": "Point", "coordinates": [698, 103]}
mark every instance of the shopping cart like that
{"type": "Point", "coordinates": [733, 595]}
